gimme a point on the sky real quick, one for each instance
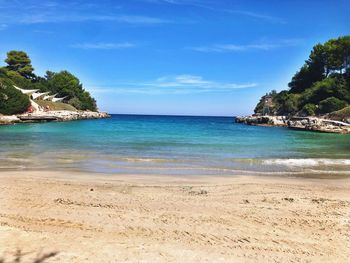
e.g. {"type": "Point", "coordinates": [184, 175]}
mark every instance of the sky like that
{"type": "Point", "coordinates": [176, 57]}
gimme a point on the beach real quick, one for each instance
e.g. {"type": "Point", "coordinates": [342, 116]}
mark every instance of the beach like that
{"type": "Point", "coordinates": [138, 218]}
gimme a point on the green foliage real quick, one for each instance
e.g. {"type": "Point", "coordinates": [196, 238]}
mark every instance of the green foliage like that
{"type": "Point", "coordinates": [322, 83]}
{"type": "Point", "coordinates": [260, 106]}
{"type": "Point", "coordinates": [19, 62]}
{"type": "Point", "coordinates": [313, 70]}
{"type": "Point", "coordinates": [333, 86]}
{"type": "Point", "coordinates": [309, 109]}
{"type": "Point", "coordinates": [19, 72]}
{"type": "Point", "coordinates": [287, 103]}
{"type": "Point", "coordinates": [75, 102]}
{"type": "Point", "coordinates": [12, 101]}
{"type": "Point", "coordinates": [331, 104]}
{"type": "Point", "coordinates": [341, 115]}
{"type": "Point", "coordinates": [66, 84]}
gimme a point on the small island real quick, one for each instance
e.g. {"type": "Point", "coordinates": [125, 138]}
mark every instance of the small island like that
{"type": "Point", "coordinates": [318, 98]}
{"type": "Point", "coordinates": [26, 97]}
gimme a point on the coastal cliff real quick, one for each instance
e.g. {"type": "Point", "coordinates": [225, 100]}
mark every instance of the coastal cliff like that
{"type": "Point", "coordinates": [301, 123]}
{"type": "Point", "coordinates": [52, 116]}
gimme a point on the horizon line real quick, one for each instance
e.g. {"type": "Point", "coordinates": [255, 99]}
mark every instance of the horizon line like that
{"type": "Point", "coordinates": [174, 115]}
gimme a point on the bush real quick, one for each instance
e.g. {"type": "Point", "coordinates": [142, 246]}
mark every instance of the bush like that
{"type": "Point", "coordinates": [309, 109]}
{"type": "Point", "coordinates": [341, 115]}
{"type": "Point", "coordinates": [331, 104]}
{"type": "Point", "coordinates": [288, 103]}
{"type": "Point", "coordinates": [12, 101]}
{"type": "Point", "coordinates": [323, 80]}
{"type": "Point", "coordinates": [67, 85]}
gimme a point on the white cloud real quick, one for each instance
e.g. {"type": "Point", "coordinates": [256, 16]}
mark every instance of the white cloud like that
{"type": "Point", "coordinates": [192, 81]}
{"type": "Point", "coordinates": [265, 46]}
{"type": "Point", "coordinates": [209, 6]}
{"type": "Point", "coordinates": [104, 46]}
{"type": "Point", "coordinates": [50, 18]}
{"type": "Point", "coordinates": [141, 20]}
{"type": "Point", "coordinates": [178, 84]}
{"type": "Point", "coordinates": [259, 16]}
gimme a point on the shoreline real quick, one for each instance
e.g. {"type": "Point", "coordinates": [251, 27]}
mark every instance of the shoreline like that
{"type": "Point", "coordinates": [315, 124]}
{"type": "Point", "coordinates": [58, 116]}
{"type": "Point", "coordinates": [133, 218]}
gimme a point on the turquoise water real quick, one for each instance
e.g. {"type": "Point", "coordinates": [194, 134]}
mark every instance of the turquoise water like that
{"type": "Point", "coordinates": [171, 145]}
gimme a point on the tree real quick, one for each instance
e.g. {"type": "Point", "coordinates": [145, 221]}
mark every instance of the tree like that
{"type": "Point", "coordinates": [309, 109]}
{"type": "Point", "coordinates": [338, 54]}
{"type": "Point", "coordinates": [314, 69]}
{"type": "Point", "coordinates": [322, 84]}
{"type": "Point", "coordinates": [287, 103]}
{"type": "Point", "coordinates": [19, 72]}
{"type": "Point", "coordinates": [301, 80]}
{"type": "Point", "coordinates": [19, 61]}
{"type": "Point", "coordinates": [331, 104]}
{"type": "Point", "coordinates": [67, 85]}
{"type": "Point", "coordinates": [333, 86]}
{"type": "Point", "coordinates": [12, 101]}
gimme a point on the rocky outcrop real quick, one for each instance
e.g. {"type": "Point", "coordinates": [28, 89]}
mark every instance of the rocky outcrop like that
{"type": "Point", "coordinates": [263, 120]}
{"type": "Point", "coordinates": [8, 119]}
{"type": "Point", "coordinates": [78, 115]}
{"type": "Point", "coordinates": [319, 124]}
{"type": "Point", "coordinates": [300, 123]}
{"type": "Point", "coordinates": [52, 116]}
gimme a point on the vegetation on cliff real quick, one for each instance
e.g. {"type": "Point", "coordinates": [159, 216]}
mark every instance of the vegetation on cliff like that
{"type": "Point", "coordinates": [322, 85]}
{"type": "Point", "coordinates": [12, 101]}
{"type": "Point", "coordinates": [20, 72]}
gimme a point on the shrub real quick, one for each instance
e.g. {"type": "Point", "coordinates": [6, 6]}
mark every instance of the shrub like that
{"type": "Point", "coordinates": [309, 109]}
{"type": "Point", "coordinates": [12, 101]}
{"type": "Point", "coordinates": [341, 115]}
{"type": "Point", "coordinates": [331, 104]}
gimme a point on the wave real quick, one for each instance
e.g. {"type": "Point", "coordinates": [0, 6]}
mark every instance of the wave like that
{"type": "Point", "coordinates": [145, 160]}
{"type": "Point", "coordinates": [308, 162]}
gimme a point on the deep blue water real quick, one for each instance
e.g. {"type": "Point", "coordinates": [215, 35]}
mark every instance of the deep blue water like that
{"type": "Point", "coordinates": [135, 144]}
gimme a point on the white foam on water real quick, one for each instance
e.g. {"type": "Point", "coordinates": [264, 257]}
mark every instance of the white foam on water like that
{"type": "Point", "coordinates": [308, 162]}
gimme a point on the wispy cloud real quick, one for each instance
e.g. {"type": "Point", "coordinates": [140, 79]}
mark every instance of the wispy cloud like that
{"type": "Point", "coordinates": [209, 6]}
{"type": "Point", "coordinates": [193, 81]}
{"type": "Point", "coordinates": [129, 19]}
{"type": "Point", "coordinates": [141, 20]}
{"type": "Point", "coordinates": [103, 46]}
{"type": "Point", "coordinates": [42, 12]}
{"type": "Point", "coordinates": [258, 16]}
{"type": "Point", "coordinates": [178, 84]}
{"type": "Point", "coordinates": [264, 46]}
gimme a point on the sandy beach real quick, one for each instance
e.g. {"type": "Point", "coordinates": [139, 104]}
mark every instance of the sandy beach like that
{"type": "Point", "coordinates": [99, 218]}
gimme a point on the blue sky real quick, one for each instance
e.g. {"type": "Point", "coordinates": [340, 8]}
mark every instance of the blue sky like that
{"type": "Point", "coordinates": [186, 57]}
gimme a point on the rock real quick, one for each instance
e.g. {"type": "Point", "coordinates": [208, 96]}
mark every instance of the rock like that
{"type": "Point", "coordinates": [263, 120]}
{"type": "Point", "coordinates": [8, 119]}
{"type": "Point", "coordinates": [52, 116]}
{"type": "Point", "coordinates": [302, 123]}
{"type": "Point", "coordinates": [319, 125]}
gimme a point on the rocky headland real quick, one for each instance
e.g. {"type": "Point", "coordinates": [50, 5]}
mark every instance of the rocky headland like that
{"type": "Point", "coordinates": [316, 124]}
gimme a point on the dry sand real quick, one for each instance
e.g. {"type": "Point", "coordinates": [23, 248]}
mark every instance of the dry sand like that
{"type": "Point", "coordinates": [89, 218]}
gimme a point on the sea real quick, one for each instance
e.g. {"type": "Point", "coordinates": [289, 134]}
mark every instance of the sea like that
{"type": "Point", "coordinates": [172, 145]}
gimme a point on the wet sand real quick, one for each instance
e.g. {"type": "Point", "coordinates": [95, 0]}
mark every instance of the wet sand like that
{"type": "Point", "coordinates": [99, 218]}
